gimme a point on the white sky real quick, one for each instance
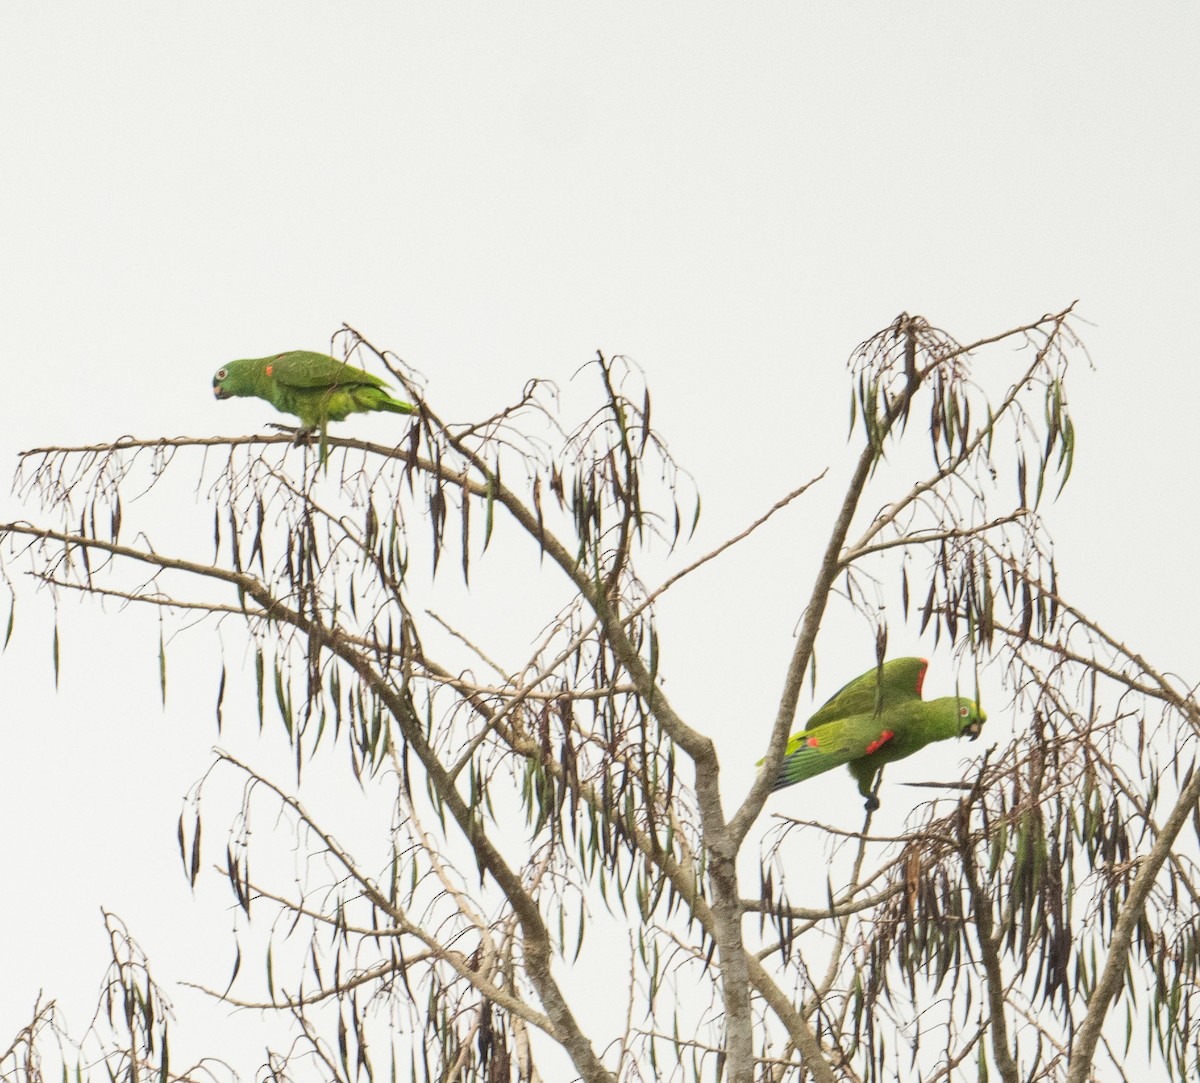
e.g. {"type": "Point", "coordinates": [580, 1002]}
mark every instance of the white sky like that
{"type": "Point", "coordinates": [734, 195]}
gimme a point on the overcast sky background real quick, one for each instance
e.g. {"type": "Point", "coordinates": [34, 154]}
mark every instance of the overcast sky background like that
{"type": "Point", "coordinates": [732, 195]}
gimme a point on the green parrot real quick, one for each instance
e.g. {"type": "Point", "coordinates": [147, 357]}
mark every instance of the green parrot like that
{"type": "Point", "coordinates": [315, 387]}
{"type": "Point", "coordinates": [870, 723]}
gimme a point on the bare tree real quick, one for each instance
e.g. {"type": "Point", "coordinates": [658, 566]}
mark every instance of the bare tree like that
{"type": "Point", "coordinates": [539, 792]}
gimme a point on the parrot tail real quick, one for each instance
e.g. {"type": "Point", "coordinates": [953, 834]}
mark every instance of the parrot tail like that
{"type": "Point", "coordinates": [396, 406]}
{"type": "Point", "coordinates": [803, 763]}
{"type": "Point", "coordinates": [375, 398]}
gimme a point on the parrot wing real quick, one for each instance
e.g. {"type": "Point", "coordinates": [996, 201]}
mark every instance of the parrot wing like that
{"type": "Point", "coordinates": [903, 679]}
{"type": "Point", "coordinates": [306, 369]}
{"type": "Point", "coordinates": [812, 752]}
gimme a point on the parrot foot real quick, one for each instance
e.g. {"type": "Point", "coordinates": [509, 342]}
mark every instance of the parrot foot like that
{"type": "Point", "coordinates": [302, 436]}
{"type": "Point", "coordinates": [872, 803]}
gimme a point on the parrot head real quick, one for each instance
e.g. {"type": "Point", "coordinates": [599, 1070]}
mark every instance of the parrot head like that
{"type": "Point", "coordinates": [236, 378]}
{"type": "Point", "coordinates": [971, 718]}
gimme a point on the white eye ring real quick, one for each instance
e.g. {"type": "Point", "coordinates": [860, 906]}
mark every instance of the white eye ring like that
{"type": "Point", "coordinates": [963, 712]}
{"type": "Point", "coordinates": [222, 374]}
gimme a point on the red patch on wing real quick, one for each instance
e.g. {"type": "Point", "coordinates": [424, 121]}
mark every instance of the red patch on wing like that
{"type": "Point", "coordinates": [812, 742]}
{"type": "Point", "coordinates": [880, 741]}
{"type": "Point", "coordinates": [921, 676]}
{"type": "Point", "coordinates": [271, 370]}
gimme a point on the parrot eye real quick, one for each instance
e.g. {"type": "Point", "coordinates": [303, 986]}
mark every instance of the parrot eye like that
{"type": "Point", "coordinates": [222, 373]}
{"type": "Point", "coordinates": [963, 712]}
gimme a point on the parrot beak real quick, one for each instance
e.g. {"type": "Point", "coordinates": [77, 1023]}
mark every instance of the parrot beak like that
{"type": "Point", "coordinates": [976, 727]}
{"type": "Point", "coordinates": [220, 392]}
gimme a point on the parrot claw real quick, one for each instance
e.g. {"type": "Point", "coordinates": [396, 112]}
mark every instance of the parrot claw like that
{"type": "Point", "coordinates": [302, 436]}
{"type": "Point", "coordinates": [872, 803]}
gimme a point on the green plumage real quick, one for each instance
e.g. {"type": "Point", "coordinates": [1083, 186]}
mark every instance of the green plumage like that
{"type": "Point", "coordinates": [315, 387]}
{"type": "Point", "coordinates": [873, 722]}
{"type": "Point", "coordinates": [902, 680]}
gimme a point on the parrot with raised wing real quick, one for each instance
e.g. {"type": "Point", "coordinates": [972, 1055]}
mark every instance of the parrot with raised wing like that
{"type": "Point", "coordinates": [874, 720]}
{"type": "Point", "coordinates": [315, 387]}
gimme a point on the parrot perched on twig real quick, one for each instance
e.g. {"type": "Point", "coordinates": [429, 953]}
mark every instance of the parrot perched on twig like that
{"type": "Point", "coordinates": [871, 722]}
{"type": "Point", "coordinates": [315, 387]}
